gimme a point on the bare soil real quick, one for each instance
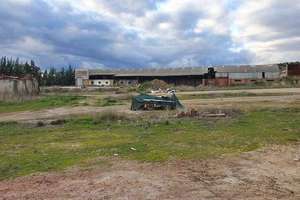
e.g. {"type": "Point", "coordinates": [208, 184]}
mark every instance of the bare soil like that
{"type": "Point", "coordinates": [57, 113]}
{"type": "Point", "coordinates": [221, 103]}
{"type": "Point", "coordinates": [245, 102]}
{"type": "Point", "coordinates": [255, 91]}
{"type": "Point", "coordinates": [271, 173]}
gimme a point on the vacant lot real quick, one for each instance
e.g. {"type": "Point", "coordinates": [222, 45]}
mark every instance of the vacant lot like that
{"type": "Point", "coordinates": [252, 153]}
{"type": "Point", "coordinates": [43, 102]}
{"type": "Point", "coordinates": [270, 173]}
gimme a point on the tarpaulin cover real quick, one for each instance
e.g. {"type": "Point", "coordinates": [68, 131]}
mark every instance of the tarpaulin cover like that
{"type": "Point", "coordinates": [139, 102]}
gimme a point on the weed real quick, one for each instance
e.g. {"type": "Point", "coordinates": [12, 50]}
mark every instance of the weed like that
{"type": "Point", "coordinates": [109, 101]}
{"type": "Point", "coordinates": [109, 116]}
{"type": "Point", "coordinates": [41, 103]}
{"type": "Point", "coordinates": [58, 122]}
{"type": "Point", "coordinates": [40, 124]}
{"type": "Point", "coordinates": [26, 149]}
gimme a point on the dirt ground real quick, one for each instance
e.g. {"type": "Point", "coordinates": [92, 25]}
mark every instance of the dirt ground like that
{"type": "Point", "coordinates": [255, 91]}
{"type": "Point", "coordinates": [232, 102]}
{"type": "Point", "coordinates": [56, 113]}
{"type": "Point", "coordinates": [244, 102]}
{"type": "Point", "coordinates": [270, 173]}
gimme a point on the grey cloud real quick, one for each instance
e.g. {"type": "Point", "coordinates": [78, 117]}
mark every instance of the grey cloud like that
{"type": "Point", "coordinates": [281, 18]}
{"type": "Point", "coordinates": [94, 38]}
{"type": "Point", "coordinates": [130, 6]}
{"type": "Point", "coordinates": [272, 32]}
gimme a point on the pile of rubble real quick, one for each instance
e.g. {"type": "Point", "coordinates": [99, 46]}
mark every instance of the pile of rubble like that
{"type": "Point", "coordinates": [197, 114]}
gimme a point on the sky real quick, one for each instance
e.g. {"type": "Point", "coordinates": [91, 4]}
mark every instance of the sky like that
{"type": "Point", "coordinates": [150, 33]}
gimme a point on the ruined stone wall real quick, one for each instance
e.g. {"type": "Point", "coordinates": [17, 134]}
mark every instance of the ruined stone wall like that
{"type": "Point", "coordinates": [18, 89]}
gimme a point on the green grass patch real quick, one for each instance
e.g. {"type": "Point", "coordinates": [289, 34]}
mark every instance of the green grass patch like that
{"type": "Point", "coordinates": [42, 103]}
{"type": "Point", "coordinates": [110, 101]}
{"type": "Point", "coordinates": [25, 150]}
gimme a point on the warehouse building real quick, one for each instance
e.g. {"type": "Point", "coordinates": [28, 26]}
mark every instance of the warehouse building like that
{"type": "Point", "coordinates": [193, 76]}
{"type": "Point", "coordinates": [236, 75]}
{"type": "Point", "coordinates": [176, 76]}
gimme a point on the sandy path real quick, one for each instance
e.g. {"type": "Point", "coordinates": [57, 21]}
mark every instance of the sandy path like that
{"type": "Point", "coordinates": [272, 173]}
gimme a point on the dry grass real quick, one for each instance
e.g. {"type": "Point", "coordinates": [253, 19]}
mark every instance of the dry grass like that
{"type": "Point", "coordinates": [110, 117]}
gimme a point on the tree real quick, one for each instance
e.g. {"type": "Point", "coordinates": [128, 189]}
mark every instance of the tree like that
{"type": "Point", "coordinates": [11, 67]}
{"type": "Point", "coordinates": [70, 76]}
{"type": "Point", "coordinates": [63, 77]}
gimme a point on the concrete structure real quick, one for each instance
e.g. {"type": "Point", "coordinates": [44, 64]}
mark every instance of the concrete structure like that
{"type": "Point", "coordinates": [17, 89]}
{"type": "Point", "coordinates": [176, 76]}
{"type": "Point", "coordinates": [220, 76]}
{"type": "Point", "coordinates": [101, 82]}
{"type": "Point", "coordinates": [235, 75]}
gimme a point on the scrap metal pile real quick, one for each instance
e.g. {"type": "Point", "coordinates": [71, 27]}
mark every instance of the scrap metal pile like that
{"type": "Point", "coordinates": [151, 102]}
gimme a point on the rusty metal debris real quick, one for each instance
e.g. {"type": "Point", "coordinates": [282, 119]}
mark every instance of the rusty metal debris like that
{"type": "Point", "coordinates": [194, 113]}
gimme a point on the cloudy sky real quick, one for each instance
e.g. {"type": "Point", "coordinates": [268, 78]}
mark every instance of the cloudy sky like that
{"type": "Point", "coordinates": [150, 33]}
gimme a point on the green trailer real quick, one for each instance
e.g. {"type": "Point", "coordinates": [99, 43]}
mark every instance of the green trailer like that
{"type": "Point", "coordinates": [150, 102]}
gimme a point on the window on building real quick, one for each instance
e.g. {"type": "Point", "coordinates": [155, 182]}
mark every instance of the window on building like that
{"type": "Point", "coordinates": [237, 80]}
{"type": "Point", "coordinates": [129, 82]}
{"type": "Point", "coordinates": [92, 82]}
{"type": "Point", "coordinates": [99, 82]}
{"type": "Point", "coordinates": [106, 82]}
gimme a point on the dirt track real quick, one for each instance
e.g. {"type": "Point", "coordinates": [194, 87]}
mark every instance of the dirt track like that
{"type": "Point", "coordinates": [57, 113]}
{"type": "Point", "coordinates": [272, 173]}
{"type": "Point", "coordinates": [255, 91]}
{"type": "Point", "coordinates": [238, 101]}
{"type": "Point", "coordinates": [234, 102]}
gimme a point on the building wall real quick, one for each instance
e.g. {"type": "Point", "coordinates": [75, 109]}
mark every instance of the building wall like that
{"type": "Point", "coordinates": [84, 74]}
{"type": "Point", "coordinates": [18, 89]}
{"type": "Point", "coordinates": [126, 82]}
{"type": "Point", "coordinates": [226, 76]}
{"type": "Point", "coordinates": [272, 75]}
{"type": "Point", "coordinates": [218, 81]}
{"type": "Point", "coordinates": [241, 81]}
{"type": "Point", "coordinates": [191, 80]}
{"type": "Point", "coordinates": [101, 82]}
{"type": "Point", "coordinates": [240, 78]}
{"type": "Point", "coordinates": [293, 70]}
{"type": "Point", "coordinates": [254, 75]}
{"type": "Point", "coordinates": [81, 76]}
{"type": "Point", "coordinates": [244, 78]}
{"type": "Point", "coordinates": [222, 81]}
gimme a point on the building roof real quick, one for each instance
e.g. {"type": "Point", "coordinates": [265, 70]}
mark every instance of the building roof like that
{"type": "Point", "coordinates": [150, 72]}
{"type": "Point", "coordinates": [247, 69]}
{"type": "Point", "coordinates": [180, 71]}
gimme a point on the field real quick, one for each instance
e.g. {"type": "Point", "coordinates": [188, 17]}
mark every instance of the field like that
{"type": "Point", "coordinates": [90, 145]}
{"type": "Point", "coordinates": [41, 103]}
